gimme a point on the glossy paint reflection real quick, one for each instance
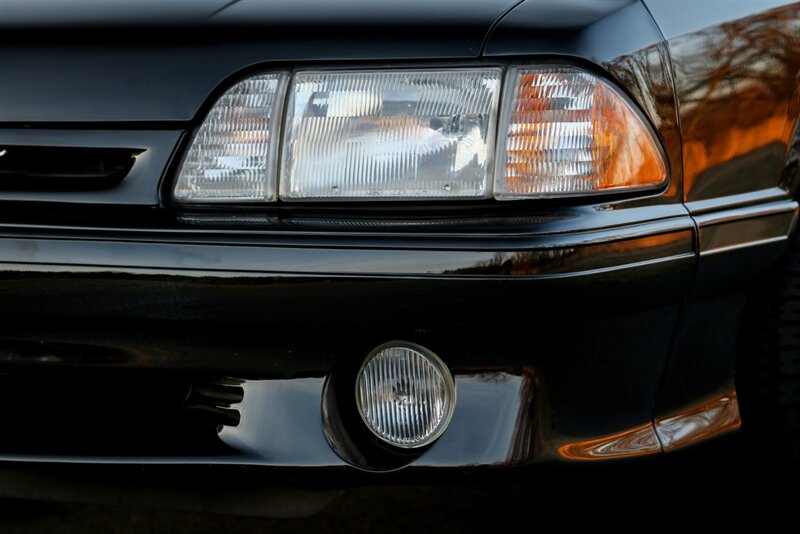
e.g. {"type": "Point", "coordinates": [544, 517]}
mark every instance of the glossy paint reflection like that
{"type": "Point", "coordinates": [646, 74]}
{"type": "Point", "coordinates": [737, 88]}
{"type": "Point", "coordinates": [493, 423]}
{"type": "Point", "coordinates": [541, 256]}
{"type": "Point", "coordinates": [499, 421]}
{"type": "Point", "coordinates": [746, 227]}
{"type": "Point", "coordinates": [703, 421]}
{"type": "Point", "coordinates": [700, 422]}
{"type": "Point", "coordinates": [281, 424]}
{"type": "Point", "coordinates": [638, 441]}
{"type": "Point", "coordinates": [563, 261]}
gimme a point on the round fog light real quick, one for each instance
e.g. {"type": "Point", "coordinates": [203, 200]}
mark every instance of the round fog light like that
{"type": "Point", "coordinates": [405, 394]}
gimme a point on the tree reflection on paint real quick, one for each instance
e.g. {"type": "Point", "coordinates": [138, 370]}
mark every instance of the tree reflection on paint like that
{"type": "Point", "coordinates": [737, 86]}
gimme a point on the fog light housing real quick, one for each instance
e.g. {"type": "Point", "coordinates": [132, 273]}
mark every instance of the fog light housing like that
{"type": "Point", "coordinates": [405, 394]}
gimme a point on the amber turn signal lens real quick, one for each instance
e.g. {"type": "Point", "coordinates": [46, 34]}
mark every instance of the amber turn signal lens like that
{"type": "Point", "coordinates": [567, 132]}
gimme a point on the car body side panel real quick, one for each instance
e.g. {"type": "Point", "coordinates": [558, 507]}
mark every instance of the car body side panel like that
{"type": "Point", "coordinates": [737, 79]}
{"type": "Point", "coordinates": [736, 67]}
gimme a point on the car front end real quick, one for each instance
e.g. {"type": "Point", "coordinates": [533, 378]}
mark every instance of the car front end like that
{"type": "Point", "coordinates": [171, 301]}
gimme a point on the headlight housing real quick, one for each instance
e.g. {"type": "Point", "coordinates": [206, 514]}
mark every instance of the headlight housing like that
{"type": "Point", "coordinates": [420, 134]}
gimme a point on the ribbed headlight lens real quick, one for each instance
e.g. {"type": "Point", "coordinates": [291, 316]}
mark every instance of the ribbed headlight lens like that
{"type": "Point", "coordinates": [390, 135]}
{"type": "Point", "coordinates": [232, 155]}
{"type": "Point", "coordinates": [405, 394]}
{"type": "Point", "coordinates": [566, 132]}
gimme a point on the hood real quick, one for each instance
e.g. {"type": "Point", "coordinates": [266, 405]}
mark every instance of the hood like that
{"type": "Point", "coordinates": [159, 60]}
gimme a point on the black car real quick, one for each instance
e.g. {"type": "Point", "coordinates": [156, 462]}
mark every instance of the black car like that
{"type": "Point", "coordinates": [334, 241]}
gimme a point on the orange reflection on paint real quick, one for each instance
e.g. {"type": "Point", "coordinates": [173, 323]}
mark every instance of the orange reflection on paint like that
{"type": "Point", "coordinates": [600, 256]}
{"type": "Point", "coordinates": [585, 258]}
{"type": "Point", "coordinates": [647, 242]}
{"type": "Point", "coordinates": [737, 88]}
{"type": "Point", "coordinates": [637, 441]}
{"type": "Point", "coordinates": [732, 140]}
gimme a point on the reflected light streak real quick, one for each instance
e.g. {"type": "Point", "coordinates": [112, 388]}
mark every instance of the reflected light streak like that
{"type": "Point", "coordinates": [638, 441]}
{"type": "Point", "coordinates": [697, 423]}
{"type": "Point", "coordinates": [700, 422]}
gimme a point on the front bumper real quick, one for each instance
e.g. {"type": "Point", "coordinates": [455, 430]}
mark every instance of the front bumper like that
{"type": "Point", "coordinates": [565, 346]}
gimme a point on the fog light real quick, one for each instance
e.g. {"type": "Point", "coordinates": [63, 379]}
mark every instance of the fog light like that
{"type": "Point", "coordinates": [405, 394]}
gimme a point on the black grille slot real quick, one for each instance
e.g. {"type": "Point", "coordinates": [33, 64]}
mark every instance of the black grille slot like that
{"type": "Point", "coordinates": [41, 168]}
{"type": "Point", "coordinates": [212, 401]}
{"type": "Point", "coordinates": [115, 413]}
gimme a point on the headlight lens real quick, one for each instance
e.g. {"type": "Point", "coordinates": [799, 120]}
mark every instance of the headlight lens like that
{"type": "Point", "coordinates": [232, 155]}
{"type": "Point", "coordinates": [390, 135]}
{"type": "Point", "coordinates": [567, 132]}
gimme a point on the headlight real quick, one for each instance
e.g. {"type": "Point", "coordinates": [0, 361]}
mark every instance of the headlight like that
{"type": "Point", "coordinates": [566, 132]}
{"type": "Point", "coordinates": [390, 135]}
{"type": "Point", "coordinates": [419, 135]}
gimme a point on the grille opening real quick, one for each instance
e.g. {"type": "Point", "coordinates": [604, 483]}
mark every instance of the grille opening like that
{"type": "Point", "coordinates": [115, 413]}
{"type": "Point", "coordinates": [42, 168]}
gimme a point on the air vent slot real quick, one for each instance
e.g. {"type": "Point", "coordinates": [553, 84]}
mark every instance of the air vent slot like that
{"type": "Point", "coordinates": [111, 412]}
{"type": "Point", "coordinates": [43, 168]}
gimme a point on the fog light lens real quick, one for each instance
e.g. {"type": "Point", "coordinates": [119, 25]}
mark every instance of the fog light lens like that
{"type": "Point", "coordinates": [405, 394]}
